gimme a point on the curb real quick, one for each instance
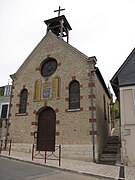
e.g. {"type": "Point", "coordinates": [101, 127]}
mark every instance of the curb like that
{"type": "Point", "coordinates": [59, 168]}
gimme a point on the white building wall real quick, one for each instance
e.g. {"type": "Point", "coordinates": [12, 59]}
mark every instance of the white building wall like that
{"type": "Point", "coordinates": [127, 111]}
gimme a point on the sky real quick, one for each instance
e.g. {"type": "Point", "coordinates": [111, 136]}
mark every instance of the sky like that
{"type": "Point", "coordinates": [101, 28]}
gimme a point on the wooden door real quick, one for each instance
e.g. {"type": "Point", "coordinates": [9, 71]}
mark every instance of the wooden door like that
{"type": "Point", "coordinates": [46, 130]}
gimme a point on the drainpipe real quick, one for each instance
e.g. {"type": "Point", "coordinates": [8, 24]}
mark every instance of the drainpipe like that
{"type": "Point", "coordinates": [92, 62]}
{"type": "Point", "coordinates": [7, 128]}
{"type": "Point", "coordinates": [92, 116]}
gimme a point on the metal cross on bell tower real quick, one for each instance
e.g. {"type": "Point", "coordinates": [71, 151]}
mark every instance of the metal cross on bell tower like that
{"type": "Point", "coordinates": [59, 10]}
{"type": "Point", "coordinates": [59, 25]}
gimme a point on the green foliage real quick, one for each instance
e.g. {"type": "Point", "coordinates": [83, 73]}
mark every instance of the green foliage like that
{"type": "Point", "coordinates": [116, 110]}
{"type": "Point", "coordinates": [1, 91]}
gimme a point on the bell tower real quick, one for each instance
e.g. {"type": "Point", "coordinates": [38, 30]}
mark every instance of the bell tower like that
{"type": "Point", "coordinates": [59, 25]}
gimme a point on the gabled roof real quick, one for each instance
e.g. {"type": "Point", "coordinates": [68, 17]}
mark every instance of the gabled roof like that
{"type": "Point", "coordinates": [42, 43]}
{"type": "Point", "coordinates": [67, 45]}
{"type": "Point", "coordinates": [123, 65]}
{"type": "Point", "coordinates": [115, 81]}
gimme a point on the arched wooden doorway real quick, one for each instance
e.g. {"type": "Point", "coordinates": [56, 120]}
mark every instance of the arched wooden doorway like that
{"type": "Point", "coordinates": [46, 130]}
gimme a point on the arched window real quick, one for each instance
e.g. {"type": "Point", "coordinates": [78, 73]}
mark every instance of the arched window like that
{"type": "Point", "coordinates": [23, 101]}
{"type": "Point", "coordinates": [74, 95]}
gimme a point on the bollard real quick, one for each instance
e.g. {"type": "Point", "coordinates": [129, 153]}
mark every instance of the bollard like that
{"type": "Point", "coordinates": [122, 173]}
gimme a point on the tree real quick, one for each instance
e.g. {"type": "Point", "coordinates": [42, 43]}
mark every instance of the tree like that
{"type": "Point", "coordinates": [116, 110]}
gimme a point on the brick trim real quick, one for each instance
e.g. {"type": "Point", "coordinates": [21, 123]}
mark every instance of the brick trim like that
{"type": "Point", "coordinates": [37, 69]}
{"type": "Point", "coordinates": [57, 121]}
{"type": "Point", "coordinates": [66, 99]}
{"type": "Point", "coordinates": [48, 55]}
{"type": "Point", "coordinates": [34, 112]}
{"type": "Point", "coordinates": [34, 123]}
{"type": "Point", "coordinates": [46, 79]}
{"type": "Point", "coordinates": [92, 108]}
{"type": "Point", "coordinates": [66, 88]}
{"type": "Point", "coordinates": [91, 74]}
{"type": "Point", "coordinates": [57, 133]}
{"type": "Point", "coordinates": [93, 96]}
{"type": "Point", "coordinates": [56, 110]}
{"type": "Point", "coordinates": [95, 133]}
{"type": "Point", "coordinates": [93, 84]}
{"type": "Point", "coordinates": [24, 86]}
{"type": "Point", "coordinates": [81, 86]}
{"type": "Point", "coordinates": [45, 103]}
{"type": "Point", "coordinates": [81, 109]}
{"type": "Point", "coordinates": [94, 120]}
{"type": "Point", "coordinates": [73, 77]}
{"type": "Point", "coordinates": [81, 97]}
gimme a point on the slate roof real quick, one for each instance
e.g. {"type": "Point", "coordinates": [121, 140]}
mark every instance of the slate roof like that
{"type": "Point", "coordinates": [125, 75]}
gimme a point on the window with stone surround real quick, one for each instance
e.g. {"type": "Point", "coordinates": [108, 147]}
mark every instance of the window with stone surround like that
{"type": "Point", "coordinates": [23, 101]}
{"type": "Point", "coordinates": [74, 95]}
{"type": "Point", "coordinates": [48, 67]}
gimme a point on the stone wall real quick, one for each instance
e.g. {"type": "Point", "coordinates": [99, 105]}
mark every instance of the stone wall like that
{"type": "Point", "coordinates": [73, 127]}
{"type": "Point", "coordinates": [103, 119]}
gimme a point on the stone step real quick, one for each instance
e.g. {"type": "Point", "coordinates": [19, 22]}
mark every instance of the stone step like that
{"type": "Point", "coordinates": [112, 141]}
{"type": "Point", "coordinates": [109, 152]}
{"type": "Point", "coordinates": [108, 155]}
{"type": "Point", "coordinates": [111, 145]}
{"type": "Point", "coordinates": [110, 148]}
{"type": "Point", "coordinates": [107, 162]}
{"type": "Point", "coordinates": [108, 159]}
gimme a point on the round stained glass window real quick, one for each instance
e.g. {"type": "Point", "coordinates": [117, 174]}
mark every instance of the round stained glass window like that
{"type": "Point", "coordinates": [48, 67]}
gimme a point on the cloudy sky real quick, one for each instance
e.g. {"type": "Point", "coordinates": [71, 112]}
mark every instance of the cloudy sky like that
{"type": "Point", "coordinates": [101, 28]}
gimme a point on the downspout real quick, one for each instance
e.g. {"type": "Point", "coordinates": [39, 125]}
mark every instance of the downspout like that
{"type": "Point", "coordinates": [92, 115]}
{"type": "Point", "coordinates": [92, 60]}
{"type": "Point", "coordinates": [7, 129]}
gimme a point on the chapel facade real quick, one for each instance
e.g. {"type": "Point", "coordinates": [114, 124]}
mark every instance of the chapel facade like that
{"type": "Point", "coordinates": [59, 97]}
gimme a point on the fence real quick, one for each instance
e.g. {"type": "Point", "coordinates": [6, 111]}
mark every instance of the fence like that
{"type": "Point", "coordinates": [47, 155]}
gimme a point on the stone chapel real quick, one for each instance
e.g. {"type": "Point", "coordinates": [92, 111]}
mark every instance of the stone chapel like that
{"type": "Point", "coordinates": [59, 97]}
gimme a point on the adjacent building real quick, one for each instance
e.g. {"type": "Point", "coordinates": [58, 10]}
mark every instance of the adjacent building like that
{"type": "Point", "coordinates": [5, 92]}
{"type": "Point", "coordinates": [123, 83]}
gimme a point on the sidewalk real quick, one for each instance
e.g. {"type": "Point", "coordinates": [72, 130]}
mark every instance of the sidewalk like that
{"type": "Point", "coordinates": [89, 168]}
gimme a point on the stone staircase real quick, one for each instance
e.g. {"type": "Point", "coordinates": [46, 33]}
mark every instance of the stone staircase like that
{"type": "Point", "coordinates": [110, 151]}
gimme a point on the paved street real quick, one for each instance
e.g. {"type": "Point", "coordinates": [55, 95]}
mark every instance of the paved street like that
{"type": "Point", "coordinates": [16, 170]}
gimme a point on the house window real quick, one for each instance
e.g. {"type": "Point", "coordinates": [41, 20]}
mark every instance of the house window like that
{"type": "Point", "coordinates": [74, 95]}
{"type": "Point", "coordinates": [4, 111]}
{"type": "Point", "coordinates": [7, 90]}
{"type": "Point", "coordinates": [23, 101]}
